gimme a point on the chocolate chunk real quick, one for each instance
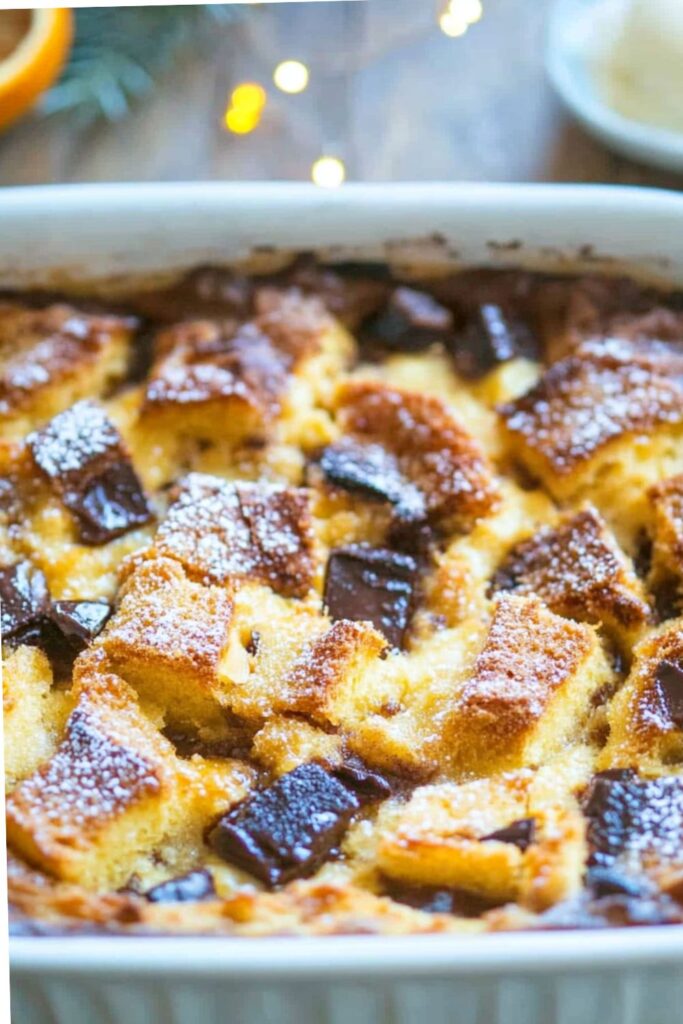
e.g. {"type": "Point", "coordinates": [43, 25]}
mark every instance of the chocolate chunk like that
{"type": "Point", "coordinates": [287, 830]}
{"type": "Point", "coordinates": [69, 629]}
{"type": "Point", "coordinates": [631, 815]}
{"type": "Point", "coordinates": [617, 774]}
{"type": "Point", "coordinates": [111, 505]}
{"type": "Point", "coordinates": [189, 888]}
{"type": "Point", "coordinates": [490, 337]}
{"type": "Point", "coordinates": [519, 833]}
{"type": "Point", "coordinates": [372, 471]}
{"type": "Point", "coordinates": [610, 882]}
{"type": "Point", "coordinates": [350, 291]}
{"type": "Point", "coordinates": [24, 600]}
{"type": "Point", "coordinates": [82, 455]}
{"type": "Point", "coordinates": [410, 321]}
{"type": "Point", "coordinates": [373, 584]}
{"type": "Point", "coordinates": [437, 901]}
{"type": "Point", "coordinates": [366, 784]}
{"type": "Point", "coordinates": [206, 292]}
{"type": "Point", "coordinates": [669, 681]}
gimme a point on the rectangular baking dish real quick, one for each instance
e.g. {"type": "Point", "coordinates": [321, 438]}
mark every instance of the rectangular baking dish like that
{"type": "Point", "coordinates": [634, 976]}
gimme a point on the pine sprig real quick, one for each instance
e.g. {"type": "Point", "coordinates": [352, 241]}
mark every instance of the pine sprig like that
{"type": "Point", "coordinates": [120, 52]}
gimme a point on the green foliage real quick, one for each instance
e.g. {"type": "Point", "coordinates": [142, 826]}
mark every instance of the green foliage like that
{"type": "Point", "coordinates": [120, 52]}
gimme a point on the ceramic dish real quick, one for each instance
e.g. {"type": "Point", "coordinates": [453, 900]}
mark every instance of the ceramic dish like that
{"type": "Point", "coordinates": [54, 235]}
{"type": "Point", "coordinates": [576, 39]}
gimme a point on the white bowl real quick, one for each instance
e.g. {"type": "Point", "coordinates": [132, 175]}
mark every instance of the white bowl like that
{"type": "Point", "coordinates": [632, 976]}
{"type": "Point", "coordinates": [578, 32]}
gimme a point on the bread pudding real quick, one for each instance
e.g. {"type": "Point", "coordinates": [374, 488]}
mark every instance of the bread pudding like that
{"type": "Point", "coordinates": [342, 600]}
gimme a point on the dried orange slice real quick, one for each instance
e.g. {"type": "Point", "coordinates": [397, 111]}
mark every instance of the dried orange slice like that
{"type": "Point", "coordinates": [34, 45]}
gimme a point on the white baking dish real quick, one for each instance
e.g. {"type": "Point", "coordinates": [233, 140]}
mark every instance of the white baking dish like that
{"type": "Point", "coordinates": [617, 977]}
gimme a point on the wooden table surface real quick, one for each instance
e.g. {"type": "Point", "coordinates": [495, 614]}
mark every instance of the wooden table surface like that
{"type": "Point", "coordinates": [389, 93]}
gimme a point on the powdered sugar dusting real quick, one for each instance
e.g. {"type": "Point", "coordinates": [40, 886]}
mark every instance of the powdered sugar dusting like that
{"type": "Point", "coordinates": [92, 778]}
{"type": "Point", "coordinates": [529, 653]}
{"type": "Point", "coordinates": [74, 440]}
{"type": "Point", "coordinates": [578, 571]}
{"type": "Point", "coordinates": [221, 530]}
{"type": "Point", "coordinates": [578, 406]}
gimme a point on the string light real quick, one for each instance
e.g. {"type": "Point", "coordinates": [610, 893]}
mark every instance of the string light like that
{"type": "Point", "coordinates": [291, 76]}
{"type": "Point", "coordinates": [328, 172]}
{"type": "Point", "coordinates": [459, 15]}
{"type": "Point", "coordinates": [452, 24]}
{"type": "Point", "coordinates": [243, 112]}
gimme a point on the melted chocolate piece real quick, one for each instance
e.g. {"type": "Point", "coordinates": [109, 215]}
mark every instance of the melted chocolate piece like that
{"type": "Point", "coordinates": [373, 584]}
{"type": "Point", "coordinates": [111, 505]}
{"type": "Point", "coordinates": [519, 833]}
{"type": "Point", "coordinates": [24, 600]}
{"type": "Point", "coordinates": [372, 471]}
{"type": "Point", "coordinates": [411, 321]}
{"type": "Point", "coordinates": [617, 774]}
{"type": "Point", "coordinates": [69, 628]}
{"type": "Point", "coordinates": [287, 830]}
{"type": "Point", "coordinates": [61, 628]}
{"type": "Point", "coordinates": [490, 337]}
{"type": "Point", "coordinates": [205, 292]}
{"type": "Point", "coordinates": [364, 783]}
{"type": "Point", "coordinates": [437, 901]}
{"type": "Point", "coordinates": [350, 291]}
{"type": "Point", "coordinates": [631, 815]}
{"type": "Point", "coordinates": [610, 882]}
{"type": "Point", "coordinates": [189, 888]}
{"type": "Point", "coordinates": [412, 537]}
{"type": "Point", "coordinates": [81, 454]}
{"type": "Point", "coordinates": [669, 681]}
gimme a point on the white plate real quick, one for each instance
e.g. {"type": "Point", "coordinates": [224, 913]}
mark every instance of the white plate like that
{"type": "Point", "coordinates": [578, 31]}
{"type": "Point", "coordinates": [633, 976]}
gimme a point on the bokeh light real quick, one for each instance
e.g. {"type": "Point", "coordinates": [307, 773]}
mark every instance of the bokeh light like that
{"type": "Point", "coordinates": [452, 24]}
{"type": "Point", "coordinates": [459, 15]}
{"type": "Point", "coordinates": [243, 112]}
{"type": "Point", "coordinates": [291, 76]}
{"type": "Point", "coordinates": [249, 96]}
{"type": "Point", "coordinates": [328, 172]}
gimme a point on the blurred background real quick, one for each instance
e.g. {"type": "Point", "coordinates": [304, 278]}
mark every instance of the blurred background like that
{"type": "Point", "coordinates": [374, 90]}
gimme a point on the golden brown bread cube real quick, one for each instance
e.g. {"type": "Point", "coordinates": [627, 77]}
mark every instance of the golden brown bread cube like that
{"type": "Point", "coordinates": [286, 741]}
{"type": "Point", "coordinates": [105, 796]}
{"type": "Point", "coordinates": [579, 571]}
{"type": "Point", "coordinates": [433, 449]}
{"type": "Point", "coordinates": [646, 715]}
{"type": "Point", "coordinates": [229, 380]}
{"type": "Point", "coordinates": [600, 429]}
{"type": "Point", "coordinates": [437, 840]}
{"type": "Point", "coordinates": [326, 681]}
{"type": "Point", "coordinates": [35, 523]}
{"type": "Point", "coordinates": [170, 639]}
{"type": "Point", "coordinates": [501, 838]}
{"type": "Point", "coordinates": [213, 379]}
{"type": "Point", "coordinates": [33, 713]}
{"type": "Point", "coordinates": [273, 631]}
{"type": "Point", "coordinates": [50, 358]}
{"type": "Point", "coordinates": [530, 689]}
{"type": "Point", "coordinates": [295, 323]}
{"type": "Point", "coordinates": [221, 531]}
